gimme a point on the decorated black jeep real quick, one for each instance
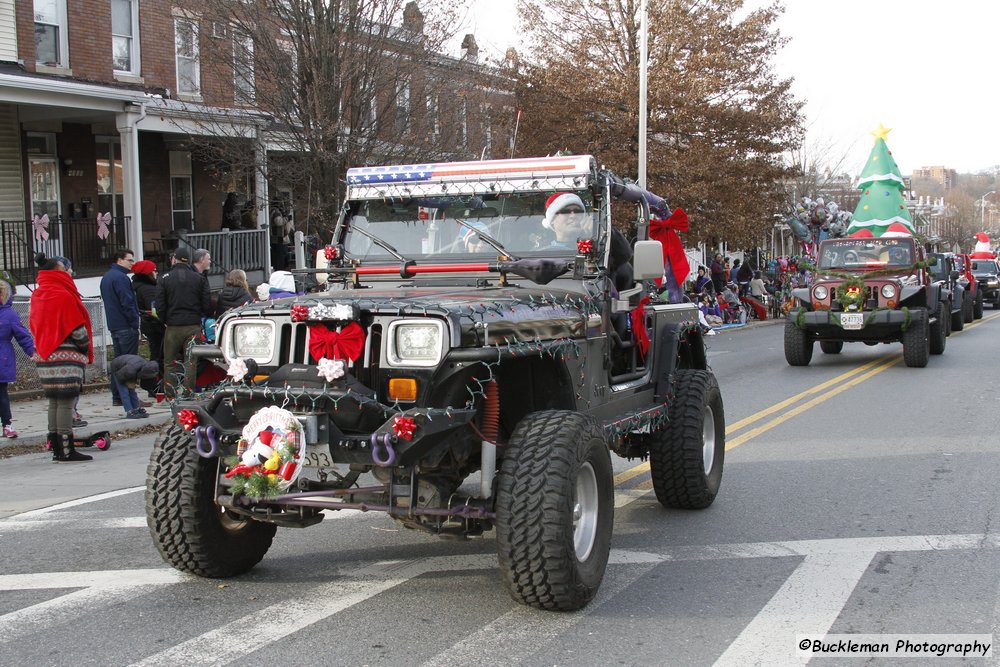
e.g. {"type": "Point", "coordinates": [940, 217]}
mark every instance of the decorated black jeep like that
{"type": "Point", "coordinates": [869, 290]}
{"type": "Point", "coordinates": [469, 366]}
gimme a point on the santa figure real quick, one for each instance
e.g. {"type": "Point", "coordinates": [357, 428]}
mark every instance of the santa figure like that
{"type": "Point", "coordinates": [982, 249]}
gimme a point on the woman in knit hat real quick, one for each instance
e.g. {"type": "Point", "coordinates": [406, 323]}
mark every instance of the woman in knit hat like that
{"type": "Point", "coordinates": [60, 325]}
{"type": "Point", "coordinates": [144, 285]}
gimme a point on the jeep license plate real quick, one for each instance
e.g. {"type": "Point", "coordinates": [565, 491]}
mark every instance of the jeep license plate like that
{"type": "Point", "coordinates": [852, 320]}
{"type": "Point", "coordinates": [317, 456]}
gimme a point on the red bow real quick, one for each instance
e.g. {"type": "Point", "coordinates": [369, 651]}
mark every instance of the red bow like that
{"type": "Point", "coordinates": [639, 327]}
{"type": "Point", "coordinates": [665, 231]}
{"type": "Point", "coordinates": [584, 246]}
{"type": "Point", "coordinates": [300, 313]}
{"type": "Point", "coordinates": [404, 427]}
{"type": "Point", "coordinates": [347, 344]}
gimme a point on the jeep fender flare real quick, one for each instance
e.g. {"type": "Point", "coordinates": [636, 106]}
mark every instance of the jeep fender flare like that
{"type": "Point", "coordinates": [802, 294]}
{"type": "Point", "coordinates": [679, 345]}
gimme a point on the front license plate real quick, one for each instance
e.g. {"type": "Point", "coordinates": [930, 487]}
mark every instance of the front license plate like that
{"type": "Point", "coordinates": [852, 320]}
{"type": "Point", "coordinates": [317, 456]}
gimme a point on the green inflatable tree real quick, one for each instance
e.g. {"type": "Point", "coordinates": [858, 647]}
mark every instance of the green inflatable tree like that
{"type": "Point", "coordinates": [882, 208]}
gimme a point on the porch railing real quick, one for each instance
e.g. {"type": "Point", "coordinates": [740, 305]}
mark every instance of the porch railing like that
{"type": "Point", "coordinates": [76, 238]}
{"type": "Point", "coordinates": [245, 249]}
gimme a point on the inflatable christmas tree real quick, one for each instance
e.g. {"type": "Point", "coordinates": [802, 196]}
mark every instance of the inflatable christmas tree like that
{"type": "Point", "coordinates": [882, 205]}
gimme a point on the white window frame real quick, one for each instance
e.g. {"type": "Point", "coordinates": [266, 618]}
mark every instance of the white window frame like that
{"type": "Point", "coordinates": [195, 58]}
{"type": "Point", "coordinates": [369, 120]}
{"type": "Point", "coordinates": [463, 123]}
{"type": "Point", "coordinates": [180, 170]}
{"type": "Point", "coordinates": [403, 106]}
{"type": "Point", "coordinates": [133, 38]}
{"type": "Point", "coordinates": [244, 76]}
{"type": "Point", "coordinates": [433, 117]}
{"type": "Point", "coordinates": [62, 26]}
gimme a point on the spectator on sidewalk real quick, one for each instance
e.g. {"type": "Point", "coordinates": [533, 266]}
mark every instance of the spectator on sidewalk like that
{"type": "Point", "coordinates": [120, 311]}
{"type": "Point", "coordinates": [743, 277]}
{"type": "Point", "coordinates": [144, 285]}
{"type": "Point", "coordinates": [129, 370]}
{"type": "Point", "coordinates": [11, 329]}
{"type": "Point", "coordinates": [182, 300]}
{"type": "Point", "coordinates": [63, 347]}
{"type": "Point", "coordinates": [718, 272]}
{"type": "Point", "coordinates": [757, 288]}
{"type": "Point", "coordinates": [236, 292]}
{"type": "Point", "coordinates": [281, 284]}
{"type": "Point", "coordinates": [201, 260]}
{"type": "Point", "coordinates": [701, 281]}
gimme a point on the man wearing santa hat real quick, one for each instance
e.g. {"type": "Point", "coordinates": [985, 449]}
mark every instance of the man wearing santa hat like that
{"type": "Point", "coordinates": [566, 216]}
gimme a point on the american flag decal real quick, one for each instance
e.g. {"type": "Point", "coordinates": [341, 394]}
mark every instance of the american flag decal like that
{"type": "Point", "coordinates": [480, 170]}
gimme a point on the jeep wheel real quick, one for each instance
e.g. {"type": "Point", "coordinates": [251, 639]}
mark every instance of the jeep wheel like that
{"type": "Point", "coordinates": [939, 330]}
{"type": "Point", "coordinates": [555, 510]}
{"type": "Point", "coordinates": [190, 531]}
{"type": "Point", "coordinates": [958, 318]}
{"type": "Point", "coordinates": [798, 345]}
{"type": "Point", "coordinates": [831, 346]}
{"type": "Point", "coordinates": [686, 457]}
{"type": "Point", "coordinates": [916, 346]}
{"type": "Point", "coordinates": [977, 309]}
{"type": "Point", "coordinates": [968, 308]}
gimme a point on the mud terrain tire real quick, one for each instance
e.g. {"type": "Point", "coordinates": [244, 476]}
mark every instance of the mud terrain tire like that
{"type": "Point", "coordinates": [189, 530]}
{"type": "Point", "coordinates": [939, 330]}
{"type": "Point", "coordinates": [916, 347]}
{"type": "Point", "coordinates": [555, 510]}
{"type": "Point", "coordinates": [687, 456]}
{"type": "Point", "coordinates": [977, 309]}
{"type": "Point", "coordinates": [831, 346]}
{"type": "Point", "coordinates": [798, 345]}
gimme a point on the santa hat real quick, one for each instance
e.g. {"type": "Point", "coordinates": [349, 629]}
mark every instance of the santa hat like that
{"type": "Point", "coordinates": [558, 202]}
{"type": "Point", "coordinates": [896, 229]}
{"type": "Point", "coordinates": [982, 242]}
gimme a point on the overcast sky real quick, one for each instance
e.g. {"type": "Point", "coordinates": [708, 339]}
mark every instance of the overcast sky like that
{"type": "Point", "coordinates": [926, 68]}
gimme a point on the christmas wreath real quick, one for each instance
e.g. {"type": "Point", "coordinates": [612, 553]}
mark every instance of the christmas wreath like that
{"type": "Point", "coordinates": [269, 455]}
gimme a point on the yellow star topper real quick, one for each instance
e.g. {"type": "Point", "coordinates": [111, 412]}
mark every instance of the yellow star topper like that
{"type": "Point", "coordinates": [880, 132]}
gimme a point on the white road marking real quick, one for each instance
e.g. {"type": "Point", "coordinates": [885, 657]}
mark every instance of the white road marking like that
{"type": "Point", "coordinates": [75, 503]}
{"type": "Point", "coordinates": [808, 602]}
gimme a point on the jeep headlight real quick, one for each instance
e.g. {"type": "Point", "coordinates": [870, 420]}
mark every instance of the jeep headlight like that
{"type": "Point", "coordinates": [821, 292]}
{"type": "Point", "coordinates": [993, 282]}
{"type": "Point", "coordinates": [416, 342]}
{"type": "Point", "coordinates": [250, 339]}
{"type": "Point", "coordinates": [888, 291]}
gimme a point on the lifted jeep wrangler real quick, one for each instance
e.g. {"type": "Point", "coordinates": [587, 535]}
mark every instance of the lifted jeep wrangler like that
{"type": "Point", "coordinates": [869, 290]}
{"type": "Point", "coordinates": [468, 367]}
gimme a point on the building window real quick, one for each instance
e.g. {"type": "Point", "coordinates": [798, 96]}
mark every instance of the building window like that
{"type": "Point", "coordinates": [433, 118]}
{"type": "Point", "coordinates": [51, 45]}
{"type": "Point", "coordinates": [124, 35]}
{"type": "Point", "coordinates": [181, 194]}
{"type": "Point", "coordinates": [188, 66]}
{"type": "Point", "coordinates": [402, 106]}
{"type": "Point", "coordinates": [463, 123]}
{"type": "Point", "coordinates": [110, 178]}
{"type": "Point", "coordinates": [244, 81]}
{"type": "Point", "coordinates": [369, 112]}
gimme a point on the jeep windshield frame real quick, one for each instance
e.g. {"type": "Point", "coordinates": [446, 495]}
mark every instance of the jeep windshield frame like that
{"type": "Point", "coordinates": [443, 229]}
{"type": "Point", "coordinates": [867, 254]}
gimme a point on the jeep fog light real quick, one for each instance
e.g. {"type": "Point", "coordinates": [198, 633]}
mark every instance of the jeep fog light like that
{"type": "Point", "coordinates": [416, 342]}
{"type": "Point", "coordinates": [821, 292]}
{"type": "Point", "coordinates": [253, 340]}
{"type": "Point", "coordinates": [402, 389]}
{"type": "Point", "coordinates": [888, 291]}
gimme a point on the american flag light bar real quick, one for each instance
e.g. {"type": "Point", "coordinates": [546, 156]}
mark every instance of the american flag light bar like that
{"type": "Point", "coordinates": [531, 168]}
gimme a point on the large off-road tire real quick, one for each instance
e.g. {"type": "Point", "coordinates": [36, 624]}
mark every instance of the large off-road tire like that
{"type": "Point", "coordinates": [939, 330]}
{"type": "Point", "coordinates": [190, 531]}
{"type": "Point", "coordinates": [798, 345]}
{"type": "Point", "coordinates": [968, 308]}
{"type": "Point", "coordinates": [686, 457]}
{"type": "Point", "coordinates": [916, 346]}
{"type": "Point", "coordinates": [958, 318]}
{"type": "Point", "coordinates": [555, 510]}
{"type": "Point", "coordinates": [977, 309]}
{"type": "Point", "coordinates": [831, 346]}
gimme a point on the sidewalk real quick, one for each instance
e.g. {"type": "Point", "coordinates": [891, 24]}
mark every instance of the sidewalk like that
{"type": "Point", "coordinates": [31, 418]}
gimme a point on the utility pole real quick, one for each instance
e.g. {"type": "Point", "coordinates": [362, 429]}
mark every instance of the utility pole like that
{"type": "Point", "coordinates": [643, 63]}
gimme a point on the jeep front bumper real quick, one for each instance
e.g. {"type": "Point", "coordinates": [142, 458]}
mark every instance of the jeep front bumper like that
{"type": "Point", "coordinates": [877, 325]}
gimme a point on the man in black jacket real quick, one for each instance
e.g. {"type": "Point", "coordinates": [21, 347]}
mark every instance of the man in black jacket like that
{"type": "Point", "coordinates": [182, 299]}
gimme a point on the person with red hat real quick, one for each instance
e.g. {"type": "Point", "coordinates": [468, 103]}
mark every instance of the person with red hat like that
{"type": "Point", "coordinates": [566, 215]}
{"type": "Point", "coordinates": [144, 286]}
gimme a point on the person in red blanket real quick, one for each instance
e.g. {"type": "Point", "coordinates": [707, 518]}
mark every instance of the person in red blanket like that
{"type": "Point", "coordinates": [64, 346]}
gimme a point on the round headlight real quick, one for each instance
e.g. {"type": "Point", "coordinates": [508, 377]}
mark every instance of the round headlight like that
{"type": "Point", "coordinates": [888, 291]}
{"type": "Point", "coordinates": [821, 292]}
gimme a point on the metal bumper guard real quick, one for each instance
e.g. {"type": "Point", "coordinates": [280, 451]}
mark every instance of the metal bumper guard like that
{"type": "Point", "coordinates": [401, 439]}
{"type": "Point", "coordinates": [878, 323]}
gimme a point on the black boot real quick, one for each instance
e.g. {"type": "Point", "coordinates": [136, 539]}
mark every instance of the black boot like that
{"type": "Point", "coordinates": [54, 441]}
{"type": "Point", "coordinates": [71, 453]}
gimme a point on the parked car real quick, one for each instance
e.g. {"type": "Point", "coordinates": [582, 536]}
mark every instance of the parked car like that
{"type": "Point", "coordinates": [987, 273]}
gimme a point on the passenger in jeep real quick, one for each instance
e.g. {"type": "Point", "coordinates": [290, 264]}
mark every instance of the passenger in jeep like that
{"type": "Point", "coordinates": [565, 215]}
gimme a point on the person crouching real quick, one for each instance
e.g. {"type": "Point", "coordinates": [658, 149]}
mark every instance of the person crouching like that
{"type": "Point", "coordinates": [129, 369]}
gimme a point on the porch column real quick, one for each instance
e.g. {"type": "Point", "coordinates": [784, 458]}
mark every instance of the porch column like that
{"type": "Point", "coordinates": [263, 199]}
{"type": "Point", "coordinates": [126, 123]}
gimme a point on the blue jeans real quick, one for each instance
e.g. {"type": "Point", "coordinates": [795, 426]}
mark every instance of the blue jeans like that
{"type": "Point", "coordinates": [130, 400]}
{"type": "Point", "coordinates": [125, 341]}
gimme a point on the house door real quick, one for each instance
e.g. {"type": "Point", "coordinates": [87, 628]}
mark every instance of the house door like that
{"type": "Point", "coordinates": [43, 175]}
{"type": "Point", "coordinates": [110, 179]}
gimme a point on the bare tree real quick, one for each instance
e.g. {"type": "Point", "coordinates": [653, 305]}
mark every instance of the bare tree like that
{"type": "Point", "coordinates": [346, 83]}
{"type": "Point", "coordinates": [719, 117]}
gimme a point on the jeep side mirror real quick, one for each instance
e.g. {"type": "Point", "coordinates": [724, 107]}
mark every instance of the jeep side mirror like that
{"type": "Point", "coordinates": [647, 261]}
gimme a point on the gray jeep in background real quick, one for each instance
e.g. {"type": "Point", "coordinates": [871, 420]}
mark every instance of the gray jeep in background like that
{"type": "Point", "coordinates": [458, 387]}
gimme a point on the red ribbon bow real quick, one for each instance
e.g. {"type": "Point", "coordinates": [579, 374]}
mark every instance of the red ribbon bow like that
{"type": "Point", "coordinates": [330, 252]}
{"type": "Point", "coordinates": [300, 313]}
{"type": "Point", "coordinates": [639, 327]}
{"type": "Point", "coordinates": [404, 427]}
{"type": "Point", "coordinates": [665, 231]}
{"type": "Point", "coordinates": [188, 419]}
{"type": "Point", "coordinates": [347, 344]}
{"type": "Point", "coordinates": [584, 246]}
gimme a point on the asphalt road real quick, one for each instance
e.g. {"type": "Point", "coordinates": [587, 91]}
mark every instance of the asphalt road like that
{"type": "Point", "coordinates": [859, 497]}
